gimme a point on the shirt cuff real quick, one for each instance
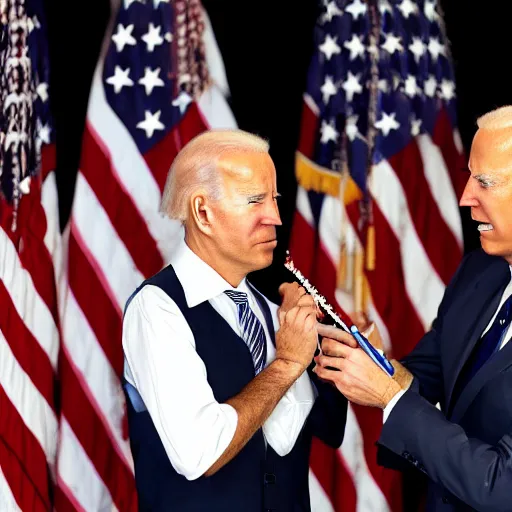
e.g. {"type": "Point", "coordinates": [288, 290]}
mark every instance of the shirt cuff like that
{"type": "Point", "coordinates": [283, 426]}
{"type": "Point", "coordinates": [391, 404]}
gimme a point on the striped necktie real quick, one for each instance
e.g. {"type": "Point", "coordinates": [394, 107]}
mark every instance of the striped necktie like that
{"type": "Point", "coordinates": [252, 330]}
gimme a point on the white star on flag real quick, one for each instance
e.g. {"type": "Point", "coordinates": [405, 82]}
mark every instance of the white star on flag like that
{"type": "Point", "coordinates": [151, 80]}
{"type": "Point", "coordinates": [332, 10]}
{"type": "Point", "coordinates": [392, 44]}
{"type": "Point", "coordinates": [36, 22]}
{"type": "Point", "coordinates": [30, 25]}
{"type": "Point", "coordinates": [182, 102]}
{"type": "Point", "coordinates": [430, 10]}
{"type": "Point", "coordinates": [352, 86]}
{"type": "Point", "coordinates": [123, 37]}
{"type": "Point", "coordinates": [383, 85]}
{"type": "Point", "coordinates": [330, 46]}
{"type": "Point", "coordinates": [328, 89]}
{"type": "Point", "coordinates": [411, 86]}
{"type": "Point", "coordinates": [415, 127]}
{"type": "Point", "coordinates": [417, 48]}
{"type": "Point", "coordinates": [387, 123]}
{"type": "Point", "coordinates": [356, 8]}
{"type": "Point", "coordinates": [151, 123]}
{"type": "Point", "coordinates": [355, 46]}
{"type": "Point", "coordinates": [447, 90]}
{"type": "Point", "coordinates": [351, 127]}
{"type": "Point", "coordinates": [43, 133]}
{"type": "Point", "coordinates": [385, 6]}
{"type": "Point", "coordinates": [42, 91]}
{"type": "Point", "coordinates": [407, 8]}
{"type": "Point", "coordinates": [329, 132]}
{"type": "Point", "coordinates": [435, 47]}
{"type": "Point", "coordinates": [152, 37]}
{"type": "Point", "coordinates": [168, 37]}
{"type": "Point", "coordinates": [430, 86]}
{"type": "Point", "coordinates": [120, 79]}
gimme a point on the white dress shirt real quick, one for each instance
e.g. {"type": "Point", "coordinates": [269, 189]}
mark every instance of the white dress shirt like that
{"type": "Point", "coordinates": [508, 334]}
{"type": "Point", "coordinates": [161, 362]}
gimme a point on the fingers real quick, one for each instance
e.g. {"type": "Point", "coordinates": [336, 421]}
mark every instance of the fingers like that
{"type": "Point", "coordinates": [327, 375]}
{"type": "Point", "coordinates": [329, 331]}
{"type": "Point", "coordinates": [360, 320]}
{"type": "Point", "coordinates": [334, 348]}
{"type": "Point", "coordinates": [290, 288]}
{"type": "Point", "coordinates": [306, 301]}
{"type": "Point", "coordinates": [331, 362]}
{"type": "Point", "coordinates": [306, 315]}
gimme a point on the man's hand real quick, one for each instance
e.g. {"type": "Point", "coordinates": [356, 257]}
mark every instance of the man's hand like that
{"type": "Point", "coordinates": [297, 337]}
{"type": "Point", "coordinates": [402, 375]}
{"type": "Point", "coordinates": [293, 295]}
{"type": "Point", "coordinates": [296, 341]}
{"type": "Point", "coordinates": [368, 329]}
{"type": "Point", "coordinates": [360, 379]}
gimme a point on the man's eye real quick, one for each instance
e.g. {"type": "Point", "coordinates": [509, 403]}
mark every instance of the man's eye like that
{"type": "Point", "coordinates": [254, 201]}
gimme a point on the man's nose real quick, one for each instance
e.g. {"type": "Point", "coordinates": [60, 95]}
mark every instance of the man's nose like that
{"type": "Point", "coordinates": [272, 216]}
{"type": "Point", "coordinates": [468, 197]}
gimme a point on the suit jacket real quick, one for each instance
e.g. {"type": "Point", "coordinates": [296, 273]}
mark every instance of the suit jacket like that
{"type": "Point", "coordinates": [465, 448]}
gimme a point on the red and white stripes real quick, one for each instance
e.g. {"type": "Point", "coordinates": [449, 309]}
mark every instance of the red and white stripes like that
{"type": "Point", "coordinates": [116, 237]}
{"type": "Point", "coordinates": [418, 237]}
{"type": "Point", "coordinates": [29, 345]}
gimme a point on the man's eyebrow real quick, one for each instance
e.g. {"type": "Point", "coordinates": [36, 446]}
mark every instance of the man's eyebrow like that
{"type": "Point", "coordinates": [257, 197]}
{"type": "Point", "coordinates": [485, 179]}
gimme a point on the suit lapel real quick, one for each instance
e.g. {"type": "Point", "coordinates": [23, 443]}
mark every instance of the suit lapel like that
{"type": "Point", "coordinates": [498, 362]}
{"type": "Point", "coordinates": [486, 298]}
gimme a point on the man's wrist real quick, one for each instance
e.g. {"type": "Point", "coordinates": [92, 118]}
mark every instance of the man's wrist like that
{"type": "Point", "coordinates": [403, 376]}
{"type": "Point", "coordinates": [293, 369]}
{"type": "Point", "coordinates": [392, 389]}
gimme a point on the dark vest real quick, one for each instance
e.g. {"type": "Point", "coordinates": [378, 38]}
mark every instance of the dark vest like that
{"type": "Point", "coordinates": [250, 482]}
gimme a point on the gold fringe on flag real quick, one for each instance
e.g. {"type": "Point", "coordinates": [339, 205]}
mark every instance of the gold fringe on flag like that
{"type": "Point", "coordinates": [314, 177]}
{"type": "Point", "coordinates": [370, 248]}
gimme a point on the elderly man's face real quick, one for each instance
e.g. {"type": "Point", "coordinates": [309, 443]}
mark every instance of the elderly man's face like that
{"type": "Point", "coordinates": [247, 215]}
{"type": "Point", "coordinates": [489, 190]}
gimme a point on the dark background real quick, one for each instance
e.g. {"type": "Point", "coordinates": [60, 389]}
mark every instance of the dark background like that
{"type": "Point", "coordinates": [266, 46]}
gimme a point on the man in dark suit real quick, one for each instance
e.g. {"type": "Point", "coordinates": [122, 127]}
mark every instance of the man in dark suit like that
{"type": "Point", "coordinates": [463, 365]}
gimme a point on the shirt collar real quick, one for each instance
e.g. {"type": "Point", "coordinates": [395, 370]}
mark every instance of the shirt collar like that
{"type": "Point", "coordinates": [200, 282]}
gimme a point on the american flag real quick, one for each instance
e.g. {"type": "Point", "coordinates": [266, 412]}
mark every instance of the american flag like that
{"type": "Point", "coordinates": [152, 91]}
{"type": "Point", "coordinates": [29, 259]}
{"type": "Point", "coordinates": [377, 226]}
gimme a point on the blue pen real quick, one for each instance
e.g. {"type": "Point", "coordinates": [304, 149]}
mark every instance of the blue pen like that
{"type": "Point", "coordinates": [374, 354]}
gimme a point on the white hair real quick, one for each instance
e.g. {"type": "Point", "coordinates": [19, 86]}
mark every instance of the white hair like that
{"type": "Point", "coordinates": [196, 166]}
{"type": "Point", "coordinates": [497, 119]}
{"type": "Point", "coordinates": [498, 122]}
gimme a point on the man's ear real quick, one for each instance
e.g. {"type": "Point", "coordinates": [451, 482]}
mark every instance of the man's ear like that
{"type": "Point", "coordinates": [201, 211]}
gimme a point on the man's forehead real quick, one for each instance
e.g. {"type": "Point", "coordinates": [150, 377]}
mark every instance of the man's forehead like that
{"type": "Point", "coordinates": [246, 167]}
{"type": "Point", "coordinates": [491, 152]}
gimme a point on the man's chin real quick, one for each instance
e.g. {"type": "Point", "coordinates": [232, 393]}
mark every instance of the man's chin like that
{"type": "Point", "coordinates": [495, 249]}
{"type": "Point", "coordinates": [264, 261]}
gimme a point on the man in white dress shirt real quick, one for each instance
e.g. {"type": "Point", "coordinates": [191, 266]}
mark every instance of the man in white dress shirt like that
{"type": "Point", "coordinates": [463, 364]}
{"type": "Point", "coordinates": [215, 374]}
